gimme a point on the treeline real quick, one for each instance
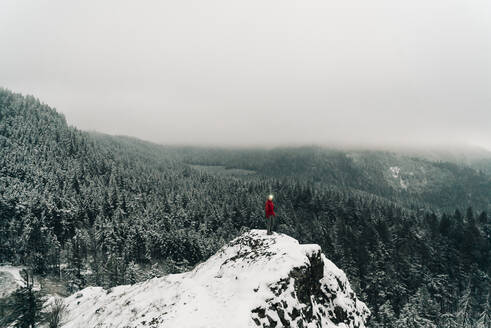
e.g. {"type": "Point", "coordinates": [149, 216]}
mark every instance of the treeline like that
{"type": "Point", "coordinates": [441, 185]}
{"type": "Point", "coordinates": [106, 211]}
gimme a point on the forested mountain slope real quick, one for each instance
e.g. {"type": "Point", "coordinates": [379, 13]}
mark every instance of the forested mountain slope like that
{"type": "Point", "coordinates": [397, 176]}
{"type": "Point", "coordinates": [103, 210]}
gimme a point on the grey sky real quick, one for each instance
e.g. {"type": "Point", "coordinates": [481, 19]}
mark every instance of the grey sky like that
{"type": "Point", "coordinates": [257, 72]}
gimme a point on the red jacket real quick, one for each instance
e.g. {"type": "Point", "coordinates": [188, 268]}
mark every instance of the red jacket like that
{"type": "Point", "coordinates": [270, 208]}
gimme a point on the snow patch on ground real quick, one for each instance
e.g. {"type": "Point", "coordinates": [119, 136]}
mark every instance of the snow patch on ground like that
{"type": "Point", "coordinates": [396, 174]}
{"type": "Point", "coordinates": [11, 279]}
{"type": "Point", "coordinates": [395, 171]}
{"type": "Point", "coordinates": [14, 271]}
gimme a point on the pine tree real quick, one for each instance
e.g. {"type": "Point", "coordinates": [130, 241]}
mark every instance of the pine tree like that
{"type": "Point", "coordinates": [464, 310]}
{"type": "Point", "coordinates": [26, 305]}
{"type": "Point", "coordinates": [75, 257]}
{"type": "Point", "coordinates": [484, 319]}
{"type": "Point", "coordinates": [155, 271]}
{"type": "Point", "coordinates": [410, 318]}
{"type": "Point", "coordinates": [448, 320]}
{"type": "Point", "coordinates": [483, 217]}
{"type": "Point", "coordinates": [445, 225]}
{"type": "Point", "coordinates": [132, 274]}
{"type": "Point", "coordinates": [471, 240]}
{"type": "Point", "coordinates": [386, 315]}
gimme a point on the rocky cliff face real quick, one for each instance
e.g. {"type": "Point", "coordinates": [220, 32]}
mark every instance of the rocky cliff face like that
{"type": "Point", "coordinates": [254, 281]}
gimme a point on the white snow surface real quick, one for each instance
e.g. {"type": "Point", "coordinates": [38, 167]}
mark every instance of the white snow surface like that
{"type": "Point", "coordinates": [220, 292]}
{"type": "Point", "coordinates": [10, 279]}
{"type": "Point", "coordinates": [14, 280]}
{"type": "Point", "coordinates": [14, 271]}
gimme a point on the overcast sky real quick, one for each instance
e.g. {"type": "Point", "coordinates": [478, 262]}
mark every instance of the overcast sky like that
{"type": "Point", "coordinates": [265, 72]}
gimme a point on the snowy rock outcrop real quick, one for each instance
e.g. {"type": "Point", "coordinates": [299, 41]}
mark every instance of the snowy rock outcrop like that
{"type": "Point", "coordinates": [256, 280]}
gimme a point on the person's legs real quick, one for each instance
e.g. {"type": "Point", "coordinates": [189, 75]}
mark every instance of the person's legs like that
{"type": "Point", "coordinates": [268, 224]}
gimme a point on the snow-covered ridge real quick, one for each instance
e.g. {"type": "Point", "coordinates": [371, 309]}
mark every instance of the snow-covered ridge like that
{"type": "Point", "coordinates": [256, 280]}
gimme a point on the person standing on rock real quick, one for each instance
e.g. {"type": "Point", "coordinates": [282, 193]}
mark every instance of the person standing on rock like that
{"type": "Point", "coordinates": [270, 214]}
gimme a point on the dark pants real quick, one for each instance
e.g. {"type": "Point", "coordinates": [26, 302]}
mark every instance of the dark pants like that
{"type": "Point", "coordinates": [270, 224]}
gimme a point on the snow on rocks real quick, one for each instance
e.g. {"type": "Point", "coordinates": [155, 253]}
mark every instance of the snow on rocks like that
{"type": "Point", "coordinates": [256, 280]}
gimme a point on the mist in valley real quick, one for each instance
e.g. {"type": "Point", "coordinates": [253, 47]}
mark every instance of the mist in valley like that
{"type": "Point", "coordinates": [281, 73]}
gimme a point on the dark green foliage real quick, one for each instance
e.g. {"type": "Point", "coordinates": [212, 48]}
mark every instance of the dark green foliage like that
{"type": "Point", "coordinates": [23, 308]}
{"type": "Point", "coordinates": [443, 185]}
{"type": "Point", "coordinates": [105, 211]}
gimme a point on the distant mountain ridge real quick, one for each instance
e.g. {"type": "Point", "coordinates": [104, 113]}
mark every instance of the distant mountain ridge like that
{"type": "Point", "coordinates": [435, 183]}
